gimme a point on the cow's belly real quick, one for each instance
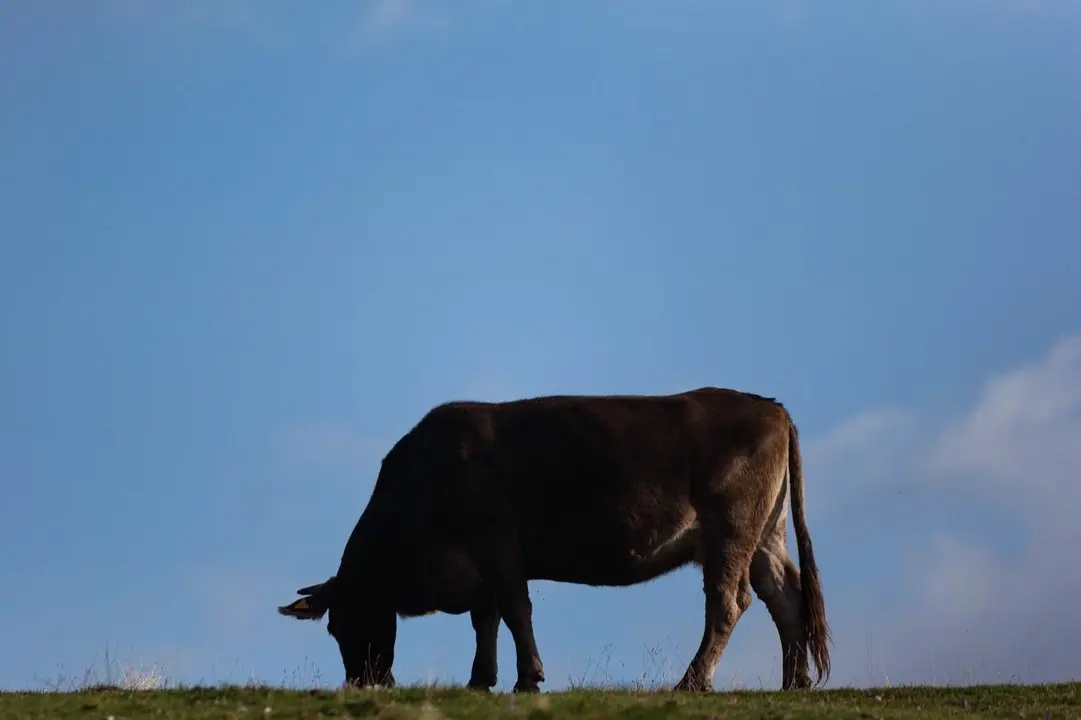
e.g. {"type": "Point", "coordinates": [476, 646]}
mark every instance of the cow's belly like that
{"type": "Point", "coordinates": [446, 580]}
{"type": "Point", "coordinates": [625, 556]}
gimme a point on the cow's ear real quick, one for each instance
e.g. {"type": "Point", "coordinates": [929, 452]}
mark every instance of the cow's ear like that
{"type": "Point", "coordinates": [312, 589]}
{"type": "Point", "coordinates": [302, 609]}
{"type": "Point", "coordinates": [313, 605]}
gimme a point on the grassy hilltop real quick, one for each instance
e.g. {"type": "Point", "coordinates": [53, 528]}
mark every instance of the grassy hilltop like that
{"type": "Point", "coordinates": [990, 701]}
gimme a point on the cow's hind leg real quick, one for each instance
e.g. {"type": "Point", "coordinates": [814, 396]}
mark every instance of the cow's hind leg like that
{"type": "Point", "coordinates": [485, 617]}
{"type": "Point", "coordinates": [725, 567]}
{"type": "Point", "coordinates": [776, 581]}
{"type": "Point", "coordinates": [733, 508]}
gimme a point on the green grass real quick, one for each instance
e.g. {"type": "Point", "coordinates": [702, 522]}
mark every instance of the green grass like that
{"type": "Point", "coordinates": [989, 701]}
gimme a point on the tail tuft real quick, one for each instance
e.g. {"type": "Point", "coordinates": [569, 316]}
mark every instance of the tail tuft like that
{"type": "Point", "coordinates": [816, 627]}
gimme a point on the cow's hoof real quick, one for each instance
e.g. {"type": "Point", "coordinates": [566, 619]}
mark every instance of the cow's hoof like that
{"type": "Point", "coordinates": [526, 687]}
{"type": "Point", "coordinates": [802, 683]}
{"type": "Point", "coordinates": [691, 685]}
{"type": "Point", "coordinates": [483, 680]}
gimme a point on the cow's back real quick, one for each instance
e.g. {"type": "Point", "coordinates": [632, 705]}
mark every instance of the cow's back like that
{"type": "Point", "coordinates": [592, 483]}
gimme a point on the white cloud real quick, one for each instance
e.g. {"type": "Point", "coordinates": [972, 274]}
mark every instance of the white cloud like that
{"type": "Point", "coordinates": [791, 13]}
{"type": "Point", "coordinates": [1022, 441]}
{"type": "Point", "coordinates": [968, 603]}
{"type": "Point", "coordinates": [861, 455]}
{"type": "Point", "coordinates": [383, 19]}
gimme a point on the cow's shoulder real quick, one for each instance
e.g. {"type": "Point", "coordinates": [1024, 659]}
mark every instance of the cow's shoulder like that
{"type": "Point", "coordinates": [457, 416]}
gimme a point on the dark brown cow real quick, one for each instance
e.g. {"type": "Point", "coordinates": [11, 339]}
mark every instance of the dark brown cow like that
{"type": "Point", "coordinates": [480, 498]}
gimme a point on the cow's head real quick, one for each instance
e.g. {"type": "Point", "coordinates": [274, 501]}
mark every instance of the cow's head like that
{"type": "Point", "coordinates": [364, 629]}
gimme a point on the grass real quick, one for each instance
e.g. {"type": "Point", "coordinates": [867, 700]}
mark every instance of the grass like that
{"type": "Point", "coordinates": [121, 690]}
{"type": "Point", "coordinates": [432, 703]}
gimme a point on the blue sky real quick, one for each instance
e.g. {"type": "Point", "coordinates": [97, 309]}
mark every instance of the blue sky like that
{"type": "Point", "coordinates": [245, 246]}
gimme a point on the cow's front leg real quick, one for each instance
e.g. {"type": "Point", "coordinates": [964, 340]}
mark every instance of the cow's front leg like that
{"type": "Point", "coordinates": [485, 617]}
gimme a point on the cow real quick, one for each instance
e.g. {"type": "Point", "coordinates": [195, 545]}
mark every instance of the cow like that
{"type": "Point", "coordinates": [478, 498]}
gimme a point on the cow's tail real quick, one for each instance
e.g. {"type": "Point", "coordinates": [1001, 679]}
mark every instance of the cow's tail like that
{"type": "Point", "coordinates": [816, 629]}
